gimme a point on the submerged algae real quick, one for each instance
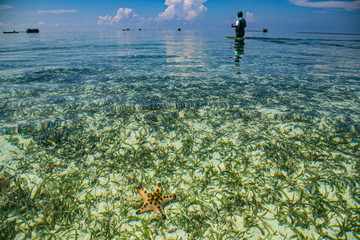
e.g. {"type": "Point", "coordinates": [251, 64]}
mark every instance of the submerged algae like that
{"type": "Point", "coordinates": [236, 174]}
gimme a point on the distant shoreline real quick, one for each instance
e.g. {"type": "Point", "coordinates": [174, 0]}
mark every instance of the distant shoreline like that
{"type": "Point", "coordinates": [355, 34]}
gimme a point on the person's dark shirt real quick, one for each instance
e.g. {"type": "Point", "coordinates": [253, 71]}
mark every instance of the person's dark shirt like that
{"type": "Point", "coordinates": [240, 29]}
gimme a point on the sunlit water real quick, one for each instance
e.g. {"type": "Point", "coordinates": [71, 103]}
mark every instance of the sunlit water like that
{"type": "Point", "coordinates": [307, 73]}
{"type": "Point", "coordinates": [317, 74]}
{"type": "Point", "coordinates": [276, 107]}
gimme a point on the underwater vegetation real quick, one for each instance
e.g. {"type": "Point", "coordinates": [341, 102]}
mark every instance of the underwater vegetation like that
{"type": "Point", "coordinates": [237, 174]}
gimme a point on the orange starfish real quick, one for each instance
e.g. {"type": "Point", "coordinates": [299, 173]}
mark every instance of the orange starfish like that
{"type": "Point", "coordinates": [154, 201]}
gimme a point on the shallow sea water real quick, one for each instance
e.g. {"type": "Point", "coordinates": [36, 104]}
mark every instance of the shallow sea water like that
{"type": "Point", "coordinates": [258, 140]}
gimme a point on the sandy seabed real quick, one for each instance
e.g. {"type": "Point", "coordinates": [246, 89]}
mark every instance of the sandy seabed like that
{"type": "Point", "coordinates": [237, 175]}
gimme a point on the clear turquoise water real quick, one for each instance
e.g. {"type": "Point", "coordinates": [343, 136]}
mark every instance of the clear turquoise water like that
{"type": "Point", "coordinates": [258, 140]}
{"type": "Point", "coordinates": [311, 74]}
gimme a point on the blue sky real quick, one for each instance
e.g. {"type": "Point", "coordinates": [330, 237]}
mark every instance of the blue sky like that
{"type": "Point", "coordinates": [278, 15]}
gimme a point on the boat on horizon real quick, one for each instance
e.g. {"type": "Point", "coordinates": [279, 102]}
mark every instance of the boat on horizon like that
{"type": "Point", "coordinates": [32, 30]}
{"type": "Point", "coordinates": [11, 32]}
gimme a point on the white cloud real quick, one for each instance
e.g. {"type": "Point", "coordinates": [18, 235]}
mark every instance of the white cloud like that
{"type": "Point", "coordinates": [121, 15]}
{"type": "Point", "coordinates": [187, 10]}
{"type": "Point", "coordinates": [5, 7]}
{"type": "Point", "coordinates": [56, 11]}
{"type": "Point", "coordinates": [250, 17]}
{"type": "Point", "coordinates": [347, 5]}
{"type": "Point", "coordinates": [40, 23]}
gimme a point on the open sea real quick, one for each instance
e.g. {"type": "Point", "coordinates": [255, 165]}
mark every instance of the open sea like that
{"type": "Point", "coordinates": [258, 139]}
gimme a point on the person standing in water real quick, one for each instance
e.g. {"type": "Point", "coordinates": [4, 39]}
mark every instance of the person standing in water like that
{"type": "Point", "coordinates": [240, 25]}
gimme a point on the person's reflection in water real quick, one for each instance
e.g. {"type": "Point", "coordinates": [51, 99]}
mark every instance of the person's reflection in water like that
{"type": "Point", "coordinates": [239, 50]}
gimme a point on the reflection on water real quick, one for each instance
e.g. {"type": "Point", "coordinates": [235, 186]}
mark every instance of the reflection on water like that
{"type": "Point", "coordinates": [239, 51]}
{"type": "Point", "coordinates": [184, 52]}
